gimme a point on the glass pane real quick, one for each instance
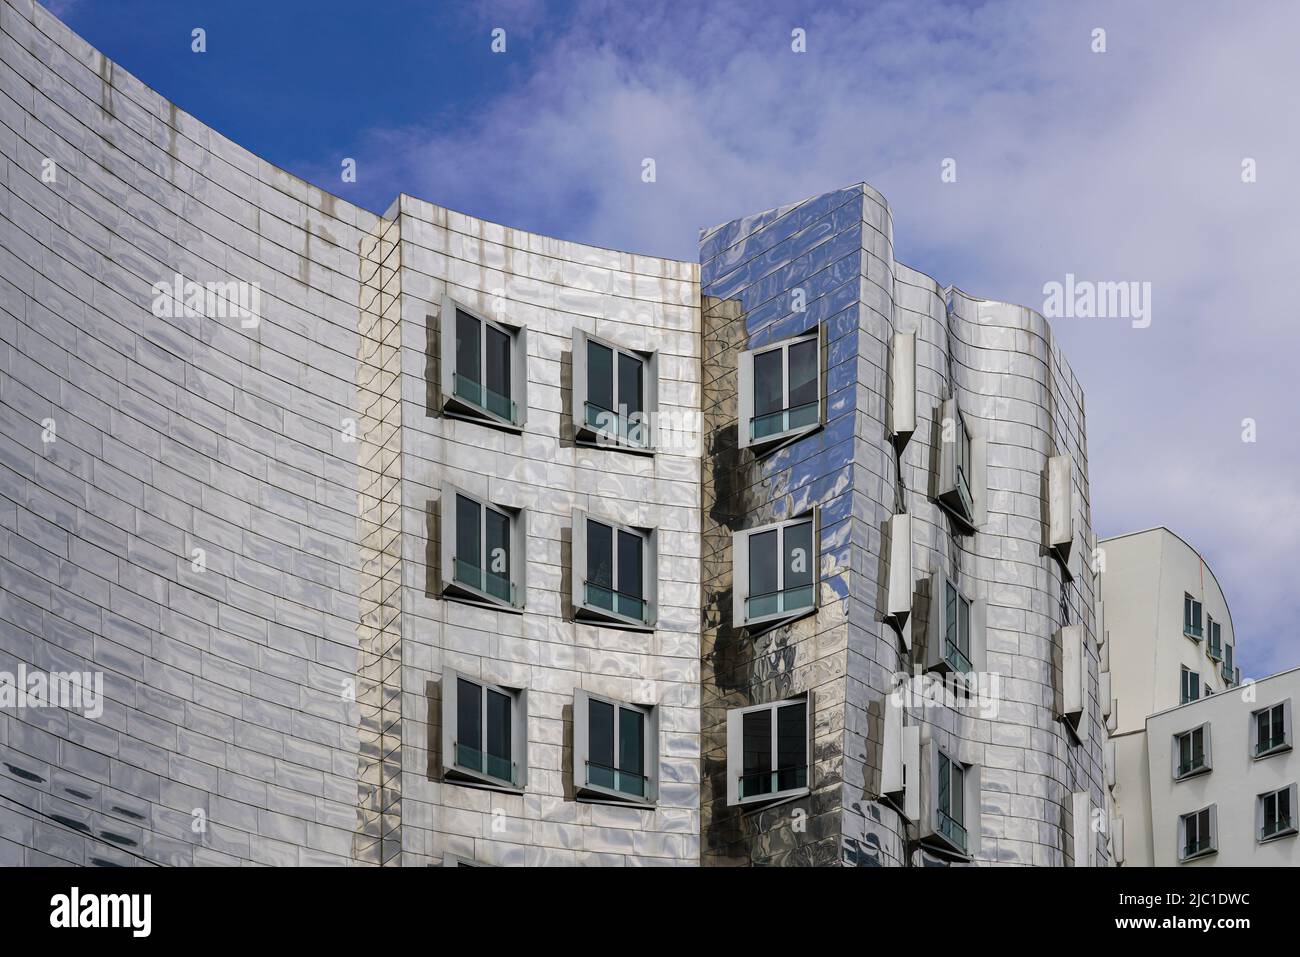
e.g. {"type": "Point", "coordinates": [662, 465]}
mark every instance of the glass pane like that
{"type": "Point", "coordinates": [498, 373]}
{"type": "Point", "coordinates": [497, 581]}
{"type": "Point", "coordinates": [630, 370]}
{"type": "Point", "coordinates": [945, 783]}
{"type": "Point", "coordinates": [791, 747]}
{"type": "Point", "coordinates": [963, 626]}
{"type": "Point", "coordinates": [798, 555]}
{"type": "Point", "coordinates": [950, 614]}
{"type": "Point", "coordinates": [1284, 805]}
{"type": "Point", "coordinates": [630, 564]}
{"type": "Point", "coordinates": [767, 382]}
{"type": "Point", "coordinates": [469, 555]}
{"type": "Point", "coordinates": [756, 729]}
{"type": "Point", "coordinates": [803, 373]}
{"type": "Point", "coordinates": [958, 793]}
{"type": "Point", "coordinates": [468, 366]}
{"type": "Point", "coordinates": [499, 733]}
{"type": "Point", "coordinates": [600, 744]}
{"type": "Point", "coordinates": [469, 725]}
{"type": "Point", "coordinates": [600, 554]}
{"type": "Point", "coordinates": [762, 573]}
{"type": "Point", "coordinates": [600, 375]}
{"type": "Point", "coordinates": [631, 752]}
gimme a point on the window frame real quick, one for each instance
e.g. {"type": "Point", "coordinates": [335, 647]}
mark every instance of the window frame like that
{"type": "Point", "coordinates": [936, 656]}
{"type": "Point", "coordinates": [461, 407]}
{"type": "Point", "coordinates": [583, 789]}
{"type": "Point", "coordinates": [455, 773]}
{"type": "Point", "coordinates": [965, 458]}
{"type": "Point", "coordinates": [932, 832]}
{"type": "Point", "coordinates": [747, 383]}
{"type": "Point", "coordinates": [1213, 638]}
{"type": "Point", "coordinates": [583, 610]}
{"type": "Point", "coordinates": [1211, 844]}
{"type": "Point", "coordinates": [1227, 670]}
{"type": "Point", "coordinates": [1207, 755]}
{"type": "Point", "coordinates": [1286, 743]}
{"type": "Point", "coordinates": [1185, 676]}
{"type": "Point", "coordinates": [736, 751]}
{"type": "Point", "coordinates": [600, 437]}
{"type": "Point", "coordinates": [1290, 829]}
{"type": "Point", "coordinates": [741, 561]}
{"type": "Point", "coordinates": [1193, 612]}
{"type": "Point", "coordinates": [465, 592]}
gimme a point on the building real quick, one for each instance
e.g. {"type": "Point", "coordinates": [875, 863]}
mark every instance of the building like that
{"type": "Point", "coordinates": [415, 539]}
{"type": "Point", "coordinates": [1201, 764]}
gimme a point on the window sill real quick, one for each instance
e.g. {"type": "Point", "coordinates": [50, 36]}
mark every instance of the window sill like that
{"type": "Point", "coordinates": [1194, 773]}
{"type": "Point", "coordinates": [592, 794]}
{"type": "Point", "coordinates": [465, 596]}
{"type": "Point", "coordinates": [591, 438]}
{"type": "Point", "coordinates": [1289, 832]}
{"type": "Point", "coordinates": [763, 802]}
{"type": "Point", "coordinates": [1280, 749]}
{"type": "Point", "coordinates": [587, 614]}
{"type": "Point", "coordinates": [476, 779]}
{"type": "Point", "coordinates": [772, 443]}
{"type": "Point", "coordinates": [1208, 852]}
{"type": "Point", "coordinates": [1195, 637]}
{"type": "Point", "coordinates": [941, 845]}
{"type": "Point", "coordinates": [958, 514]}
{"type": "Point", "coordinates": [455, 410]}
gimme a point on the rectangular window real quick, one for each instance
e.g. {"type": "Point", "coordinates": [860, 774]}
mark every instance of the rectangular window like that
{"type": "Point", "coordinates": [780, 391]}
{"type": "Point", "coordinates": [1275, 813]}
{"type": "Point", "coordinates": [767, 752]}
{"type": "Point", "coordinates": [482, 550]}
{"type": "Point", "coordinates": [954, 635]}
{"type": "Point", "coordinates": [1192, 752]}
{"type": "Point", "coordinates": [615, 749]}
{"type": "Point", "coordinates": [956, 648]}
{"type": "Point", "coordinates": [1191, 617]}
{"type": "Point", "coordinates": [1197, 833]}
{"type": "Point", "coordinates": [1228, 671]}
{"type": "Point", "coordinates": [484, 732]}
{"type": "Point", "coordinates": [614, 393]}
{"type": "Point", "coordinates": [1190, 686]}
{"type": "Point", "coordinates": [1213, 639]}
{"type": "Point", "coordinates": [950, 805]}
{"type": "Point", "coordinates": [614, 571]}
{"type": "Point", "coordinates": [774, 574]}
{"type": "Point", "coordinates": [484, 366]}
{"type": "Point", "coordinates": [1271, 729]}
{"type": "Point", "coordinates": [961, 484]}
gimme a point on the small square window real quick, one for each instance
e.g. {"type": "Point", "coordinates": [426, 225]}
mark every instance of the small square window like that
{"type": "Point", "coordinates": [1275, 814]}
{"type": "Point", "coordinates": [780, 392]}
{"type": "Point", "coordinates": [1192, 752]}
{"type": "Point", "coordinates": [775, 573]}
{"type": "Point", "coordinates": [615, 394]}
{"type": "Point", "coordinates": [768, 752]}
{"type": "Point", "coordinates": [484, 367]}
{"type": "Point", "coordinates": [483, 550]}
{"type": "Point", "coordinates": [615, 569]}
{"type": "Point", "coordinates": [1270, 729]}
{"type": "Point", "coordinates": [1192, 618]}
{"type": "Point", "coordinates": [1189, 685]}
{"type": "Point", "coordinates": [615, 749]}
{"type": "Point", "coordinates": [1198, 834]}
{"type": "Point", "coordinates": [484, 732]}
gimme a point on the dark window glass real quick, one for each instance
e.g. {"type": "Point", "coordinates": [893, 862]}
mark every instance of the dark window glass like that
{"type": "Point", "coordinates": [600, 554]}
{"type": "Point", "coordinates": [498, 734]}
{"type": "Point", "coordinates": [756, 728]}
{"type": "Point", "coordinates": [963, 626]}
{"type": "Point", "coordinates": [951, 600]}
{"type": "Point", "coordinates": [762, 563]}
{"type": "Point", "coordinates": [600, 742]}
{"type": "Point", "coordinates": [629, 384]}
{"type": "Point", "coordinates": [469, 722]}
{"type": "Point", "coordinates": [629, 564]}
{"type": "Point", "coordinates": [767, 382]}
{"type": "Point", "coordinates": [498, 368]}
{"type": "Point", "coordinates": [631, 747]}
{"type": "Point", "coordinates": [803, 373]}
{"type": "Point", "coordinates": [468, 365]}
{"type": "Point", "coordinates": [945, 785]}
{"type": "Point", "coordinates": [791, 747]}
{"type": "Point", "coordinates": [798, 555]}
{"type": "Point", "coordinates": [956, 793]}
{"type": "Point", "coordinates": [469, 556]}
{"type": "Point", "coordinates": [600, 375]}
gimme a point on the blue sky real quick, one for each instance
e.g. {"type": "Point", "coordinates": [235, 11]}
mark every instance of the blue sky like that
{"type": "Point", "coordinates": [1114, 166]}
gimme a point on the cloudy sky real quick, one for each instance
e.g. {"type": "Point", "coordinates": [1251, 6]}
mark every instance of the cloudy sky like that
{"type": "Point", "coordinates": [1123, 165]}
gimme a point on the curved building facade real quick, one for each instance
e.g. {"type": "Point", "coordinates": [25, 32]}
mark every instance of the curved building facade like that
{"type": "Point", "coordinates": [329, 537]}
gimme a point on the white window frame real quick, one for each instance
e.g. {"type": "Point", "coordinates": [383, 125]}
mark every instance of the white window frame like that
{"type": "Point", "coordinates": [1213, 639]}
{"type": "Point", "coordinates": [1207, 762]}
{"type": "Point", "coordinates": [1289, 829]}
{"type": "Point", "coordinates": [1227, 670]}
{"type": "Point", "coordinates": [582, 750]}
{"type": "Point", "coordinates": [1185, 676]}
{"type": "Point", "coordinates": [1212, 844]}
{"type": "Point", "coordinates": [462, 407]}
{"type": "Point", "coordinates": [452, 770]}
{"type": "Point", "coordinates": [462, 591]}
{"type": "Point", "coordinates": [736, 751]}
{"type": "Point", "coordinates": [936, 654]}
{"type": "Point", "coordinates": [933, 833]}
{"type": "Point", "coordinates": [740, 573]}
{"type": "Point", "coordinates": [1193, 612]}
{"type": "Point", "coordinates": [746, 384]}
{"type": "Point", "coordinates": [585, 610]}
{"type": "Point", "coordinates": [1255, 752]}
{"type": "Point", "coordinates": [636, 437]}
{"type": "Point", "coordinates": [971, 447]}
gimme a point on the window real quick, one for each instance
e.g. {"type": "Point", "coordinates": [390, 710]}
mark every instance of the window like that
{"type": "Point", "coordinates": [1270, 729]}
{"type": "Point", "coordinates": [955, 633]}
{"type": "Point", "coordinates": [484, 732]}
{"type": "Point", "coordinates": [484, 367]}
{"type": "Point", "coordinates": [1275, 813]}
{"type": "Point", "coordinates": [1192, 752]}
{"type": "Point", "coordinates": [1213, 639]}
{"type": "Point", "coordinates": [614, 573]}
{"type": "Point", "coordinates": [780, 391]}
{"type": "Point", "coordinates": [615, 749]}
{"type": "Point", "coordinates": [1228, 671]}
{"type": "Point", "coordinates": [768, 752]}
{"type": "Point", "coordinates": [950, 821]}
{"type": "Point", "coordinates": [960, 482]}
{"type": "Point", "coordinates": [1197, 833]}
{"type": "Point", "coordinates": [483, 550]}
{"type": "Point", "coordinates": [1190, 688]}
{"type": "Point", "coordinates": [774, 572]}
{"type": "Point", "coordinates": [1191, 617]}
{"type": "Point", "coordinates": [615, 393]}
